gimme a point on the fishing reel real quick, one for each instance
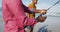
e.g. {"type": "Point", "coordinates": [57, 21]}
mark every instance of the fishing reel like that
{"type": "Point", "coordinates": [41, 18]}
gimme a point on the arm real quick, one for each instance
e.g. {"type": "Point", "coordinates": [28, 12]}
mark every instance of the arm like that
{"type": "Point", "coordinates": [26, 9]}
{"type": "Point", "coordinates": [36, 11]}
{"type": "Point", "coordinates": [17, 9]}
{"type": "Point", "coordinates": [43, 11]}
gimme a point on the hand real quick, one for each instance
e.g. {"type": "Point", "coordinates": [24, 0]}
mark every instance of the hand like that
{"type": "Point", "coordinates": [43, 11]}
{"type": "Point", "coordinates": [28, 29]}
{"type": "Point", "coordinates": [41, 19]}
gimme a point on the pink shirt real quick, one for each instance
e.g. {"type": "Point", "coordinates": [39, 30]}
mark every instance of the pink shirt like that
{"type": "Point", "coordinates": [14, 12]}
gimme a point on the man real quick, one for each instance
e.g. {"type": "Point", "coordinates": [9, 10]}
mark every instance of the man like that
{"type": "Point", "coordinates": [14, 16]}
{"type": "Point", "coordinates": [33, 9]}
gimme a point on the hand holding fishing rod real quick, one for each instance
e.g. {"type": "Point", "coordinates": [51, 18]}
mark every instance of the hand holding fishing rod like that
{"type": "Point", "coordinates": [43, 12]}
{"type": "Point", "coordinates": [42, 16]}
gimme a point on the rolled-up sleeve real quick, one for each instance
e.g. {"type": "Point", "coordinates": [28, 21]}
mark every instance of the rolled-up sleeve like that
{"type": "Point", "coordinates": [17, 9]}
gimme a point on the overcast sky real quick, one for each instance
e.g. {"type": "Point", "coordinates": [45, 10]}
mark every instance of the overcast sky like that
{"type": "Point", "coordinates": [0, 3]}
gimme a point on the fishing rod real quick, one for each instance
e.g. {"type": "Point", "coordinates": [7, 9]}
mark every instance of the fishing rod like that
{"type": "Point", "coordinates": [48, 9]}
{"type": "Point", "coordinates": [53, 5]}
{"type": "Point", "coordinates": [42, 14]}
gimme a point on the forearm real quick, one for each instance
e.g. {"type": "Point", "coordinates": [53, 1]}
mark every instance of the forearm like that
{"type": "Point", "coordinates": [37, 11]}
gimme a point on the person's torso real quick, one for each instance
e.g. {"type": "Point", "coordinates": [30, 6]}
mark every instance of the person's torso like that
{"type": "Point", "coordinates": [32, 8]}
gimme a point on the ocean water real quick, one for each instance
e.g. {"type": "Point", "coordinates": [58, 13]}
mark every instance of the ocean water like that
{"type": "Point", "coordinates": [52, 22]}
{"type": "Point", "coordinates": [54, 14]}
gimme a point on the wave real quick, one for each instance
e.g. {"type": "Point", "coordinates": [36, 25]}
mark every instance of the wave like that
{"type": "Point", "coordinates": [51, 15]}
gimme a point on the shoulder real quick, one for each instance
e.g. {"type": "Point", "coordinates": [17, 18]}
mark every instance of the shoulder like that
{"type": "Point", "coordinates": [31, 5]}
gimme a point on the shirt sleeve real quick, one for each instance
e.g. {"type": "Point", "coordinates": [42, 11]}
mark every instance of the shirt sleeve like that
{"type": "Point", "coordinates": [17, 9]}
{"type": "Point", "coordinates": [26, 9]}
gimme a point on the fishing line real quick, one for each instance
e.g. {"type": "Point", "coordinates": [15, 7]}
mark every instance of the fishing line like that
{"type": "Point", "coordinates": [53, 5]}
{"type": "Point", "coordinates": [50, 7]}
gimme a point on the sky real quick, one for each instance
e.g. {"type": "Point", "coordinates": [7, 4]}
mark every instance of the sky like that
{"type": "Point", "coordinates": [0, 3]}
{"type": "Point", "coordinates": [43, 4]}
